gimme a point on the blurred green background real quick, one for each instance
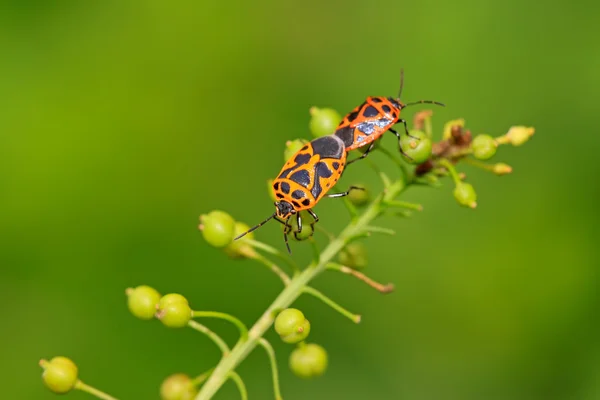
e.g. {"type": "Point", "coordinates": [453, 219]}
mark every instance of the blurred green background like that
{"type": "Point", "coordinates": [122, 121]}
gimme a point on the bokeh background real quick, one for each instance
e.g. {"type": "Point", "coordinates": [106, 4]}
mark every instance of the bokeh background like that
{"type": "Point", "coordinates": [122, 121]}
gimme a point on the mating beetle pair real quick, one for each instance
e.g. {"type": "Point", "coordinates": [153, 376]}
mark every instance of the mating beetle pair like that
{"type": "Point", "coordinates": [309, 174]}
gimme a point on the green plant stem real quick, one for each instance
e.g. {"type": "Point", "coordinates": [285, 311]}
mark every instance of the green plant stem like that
{"type": "Point", "coordinates": [387, 288]}
{"type": "Point", "coordinates": [201, 378]}
{"type": "Point", "coordinates": [292, 291]}
{"type": "Point", "coordinates": [227, 317]}
{"type": "Point", "coordinates": [405, 204]}
{"type": "Point", "coordinates": [479, 164]}
{"type": "Point", "coordinates": [240, 384]}
{"type": "Point", "coordinates": [275, 372]}
{"type": "Point", "coordinates": [93, 391]}
{"type": "Point", "coordinates": [448, 165]}
{"type": "Point", "coordinates": [273, 267]}
{"type": "Point", "coordinates": [314, 292]}
{"type": "Point", "coordinates": [211, 335]}
{"type": "Point", "coordinates": [273, 251]}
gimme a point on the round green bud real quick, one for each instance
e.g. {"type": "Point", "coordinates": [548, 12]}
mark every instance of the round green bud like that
{"type": "Point", "coordinates": [292, 147]}
{"type": "Point", "coordinates": [484, 147]}
{"type": "Point", "coordinates": [174, 310]}
{"type": "Point", "coordinates": [518, 135]}
{"type": "Point", "coordinates": [359, 197]}
{"type": "Point", "coordinates": [308, 361]}
{"type": "Point", "coordinates": [465, 195]}
{"type": "Point", "coordinates": [177, 387]}
{"type": "Point", "coordinates": [60, 374]}
{"type": "Point", "coordinates": [418, 147]}
{"type": "Point", "coordinates": [501, 169]}
{"type": "Point", "coordinates": [307, 229]}
{"type": "Point", "coordinates": [171, 298]}
{"type": "Point", "coordinates": [217, 228]}
{"type": "Point", "coordinates": [323, 121]}
{"type": "Point", "coordinates": [354, 256]}
{"type": "Point", "coordinates": [292, 326]}
{"type": "Point", "coordinates": [239, 248]}
{"type": "Point", "coordinates": [142, 301]}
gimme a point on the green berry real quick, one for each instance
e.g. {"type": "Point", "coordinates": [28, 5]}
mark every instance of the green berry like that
{"type": "Point", "coordinates": [239, 248]}
{"type": "Point", "coordinates": [307, 229]}
{"type": "Point", "coordinates": [217, 228]}
{"type": "Point", "coordinates": [465, 195]}
{"type": "Point", "coordinates": [417, 147]}
{"type": "Point", "coordinates": [60, 374]}
{"type": "Point", "coordinates": [308, 361]}
{"type": "Point", "coordinates": [177, 387]}
{"type": "Point", "coordinates": [171, 298]}
{"type": "Point", "coordinates": [292, 326]}
{"type": "Point", "coordinates": [323, 121]}
{"type": "Point", "coordinates": [359, 197]}
{"type": "Point", "coordinates": [174, 310]}
{"type": "Point", "coordinates": [484, 147]}
{"type": "Point", "coordinates": [142, 301]}
{"type": "Point", "coordinates": [354, 256]}
{"type": "Point", "coordinates": [292, 147]}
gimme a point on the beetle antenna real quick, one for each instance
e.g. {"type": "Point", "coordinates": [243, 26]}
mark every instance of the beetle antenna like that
{"type": "Point", "coordinates": [401, 82]}
{"type": "Point", "coordinates": [256, 227]}
{"type": "Point", "coordinates": [424, 102]}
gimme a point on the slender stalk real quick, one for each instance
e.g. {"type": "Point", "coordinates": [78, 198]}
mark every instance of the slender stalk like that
{"type": "Point", "coordinates": [273, 267]}
{"type": "Point", "coordinates": [240, 384]}
{"type": "Point", "coordinates": [227, 317]}
{"type": "Point", "coordinates": [271, 353]}
{"type": "Point", "coordinates": [291, 292]}
{"type": "Point", "coordinates": [380, 229]}
{"type": "Point", "coordinates": [211, 335]}
{"type": "Point", "coordinates": [201, 378]}
{"type": "Point", "coordinates": [448, 165]}
{"type": "Point", "coordinates": [314, 292]}
{"type": "Point", "coordinates": [387, 288]}
{"type": "Point", "coordinates": [405, 204]}
{"type": "Point", "coordinates": [93, 391]}
{"type": "Point", "coordinates": [273, 251]}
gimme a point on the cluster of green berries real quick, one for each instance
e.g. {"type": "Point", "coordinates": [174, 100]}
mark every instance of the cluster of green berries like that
{"type": "Point", "coordinates": [307, 360]}
{"type": "Point", "coordinates": [172, 309]}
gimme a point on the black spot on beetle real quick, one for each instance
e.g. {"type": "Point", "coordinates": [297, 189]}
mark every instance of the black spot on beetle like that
{"type": "Point", "coordinates": [352, 116]}
{"type": "Point", "coordinates": [370, 112]}
{"type": "Point", "coordinates": [386, 108]}
{"type": "Point", "coordinates": [304, 148]}
{"type": "Point", "coordinates": [328, 147]}
{"type": "Point", "coordinates": [301, 177]}
{"type": "Point", "coordinates": [276, 186]}
{"type": "Point", "coordinates": [279, 195]}
{"type": "Point", "coordinates": [376, 100]}
{"type": "Point", "coordinates": [335, 164]}
{"type": "Point", "coordinates": [285, 187]}
{"type": "Point", "coordinates": [346, 134]}
{"type": "Point", "coordinates": [306, 202]}
{"type": "Point", "coordinates": [298, 194]}
{"type": "Point", "coordinates": [296, 204]}
{"type": "Point", "coordinates": [321, 171]}
{"type": "Point", "coordinates": [301, 159]}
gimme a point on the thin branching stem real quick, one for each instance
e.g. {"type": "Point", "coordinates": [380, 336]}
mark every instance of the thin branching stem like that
{"type": "Point", "coordinates": [197, 381]}
{"type": "Point", "coordinates": [211, 335]}
{"type": "Point", "coordinates": [314, 292]}
{"type": "Point", "coordinates": [273, 251]}
{"type": "Point", "coordinates": [215, 314]}
{"type": "Point", "coordinates": [273, 267]}
{"type": "Point", "coordinates": [275, 372]}
{"type": "Point", "coordinates": [387, 288]}
{"type": "Point", "coordinates": [93, 391]}
{"type": "Point", "coordinates": [240, 384]}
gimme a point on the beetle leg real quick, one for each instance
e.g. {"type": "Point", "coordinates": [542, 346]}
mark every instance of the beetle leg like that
{"type": "Point", "coordinates": [346, 193]}
{"type": "Point", "coordinates": [363, 154]}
